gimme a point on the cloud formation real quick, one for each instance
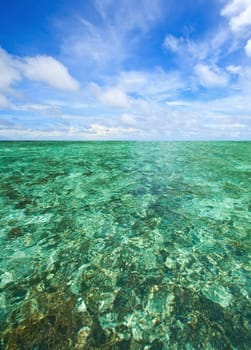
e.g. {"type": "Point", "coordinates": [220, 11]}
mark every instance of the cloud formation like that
{"type": "Point", "coordinates": [115, 37]}
{"type": "Point", "coordinates": [50, 71]}
{"type": "Point", "coordinates": [248, 48]}
{"type": "Point", "coordinates": [44, 69]}
{"type": "Point", "coordinates": [210, 76]}
{"type": "Point", "coordinates": [238, 13]}
{"type": "Point", "coordinates": [111, 96]}
{"type": "Point", "coordinates": [8, 70]}
{"type": "Point", "coordinates": [3, 101]}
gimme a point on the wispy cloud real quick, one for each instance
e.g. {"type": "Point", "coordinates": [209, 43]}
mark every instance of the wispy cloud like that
{"type": "Point", "coordinates": [209, 46]}
{"type": "Point", "coordinates": [155, 85]}
{"type": "Point", "coordinates": [115, 37]}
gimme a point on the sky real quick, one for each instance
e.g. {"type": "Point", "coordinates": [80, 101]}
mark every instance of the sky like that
{"type": "Point", "coordinates": [125, 70]}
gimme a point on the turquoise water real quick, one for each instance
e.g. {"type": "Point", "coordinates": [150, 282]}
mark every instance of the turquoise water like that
{"type": "Point", "coordinates": [125, 245]}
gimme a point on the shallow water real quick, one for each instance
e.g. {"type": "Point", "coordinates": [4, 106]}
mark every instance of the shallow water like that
{"type": "Point", "coordinates": [125, 245]}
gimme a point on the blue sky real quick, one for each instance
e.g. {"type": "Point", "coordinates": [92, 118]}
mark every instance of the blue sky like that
{"type": "Point", "coordinates": [125, 69]}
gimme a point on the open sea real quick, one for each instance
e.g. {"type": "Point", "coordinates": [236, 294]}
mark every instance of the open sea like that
{"type": "Point", "coordinates": [125, 245]}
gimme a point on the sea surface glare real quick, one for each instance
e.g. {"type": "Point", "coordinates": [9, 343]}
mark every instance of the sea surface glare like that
{"type": "Point", "coordinates": [125, 245]}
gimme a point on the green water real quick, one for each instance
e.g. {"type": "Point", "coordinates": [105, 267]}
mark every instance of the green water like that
{"type": "Point", "coordinates": [125, 245]}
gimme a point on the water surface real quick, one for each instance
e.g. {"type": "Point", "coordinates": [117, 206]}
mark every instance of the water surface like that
{"type": "Point", "coordinates": [125, 245]}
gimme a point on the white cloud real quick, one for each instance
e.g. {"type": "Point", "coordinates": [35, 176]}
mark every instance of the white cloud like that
{"type": "Point", "coordinates": [130, 14]}
{"type": "Point", "coordinates": [40, 68]}
{"type": "Point", "coordinates": [49, 70]}
{"type": "Point", "coordinates": [209, 53]}
{"type": "Point", "coordinates": [172, 43]}
{"type": "Point", "coordinates": [177, 119]}
{"type": "Point", "coordinates": [138, 90]}
{"type": "Point", "coordinates": [189, 50]}
{"type": "Point", "coordinates": [132, 81]}
{"type": "Point", "coordinates": [95, 44]}
{"type": "Point", "coordinates": [239, 14]}
{"type": "Point", "coordinates": [115, 98]}
{"type": "Point", "coordinates": [248, 48]}
{"type": "Point", "coordinates": [9, 74]}
{"type": "Point", "coordinates": [210, 76]}
{"type": "Point", "coordinates": [244, 82]}
{"type": "Point", "coordinates": [93, 132]}
{"type": "Point", "coordinates": [242, 21]}
{"type": "Point", "coordinates": [35, 107]}
{"type": "Point", "coordinates": [31, 134]}
{"type": "Point", "coordinates": [129, 119]}
{"type": "Point", "coordinates": [111, 96]}
{"type": "Point", "coordinates": [154, 85]}
{"type": "Point", "coordinates": [234, 69]}
{"type": "Point", "coordinates": [4, 102]}
{"type": "Point", "coordinates": [234, 7]}
{"type": "Point", "coordinates": [99, 130]}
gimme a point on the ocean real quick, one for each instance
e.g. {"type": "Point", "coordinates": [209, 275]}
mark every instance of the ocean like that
{"type": "Point", "coordinates": [125, 245]}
